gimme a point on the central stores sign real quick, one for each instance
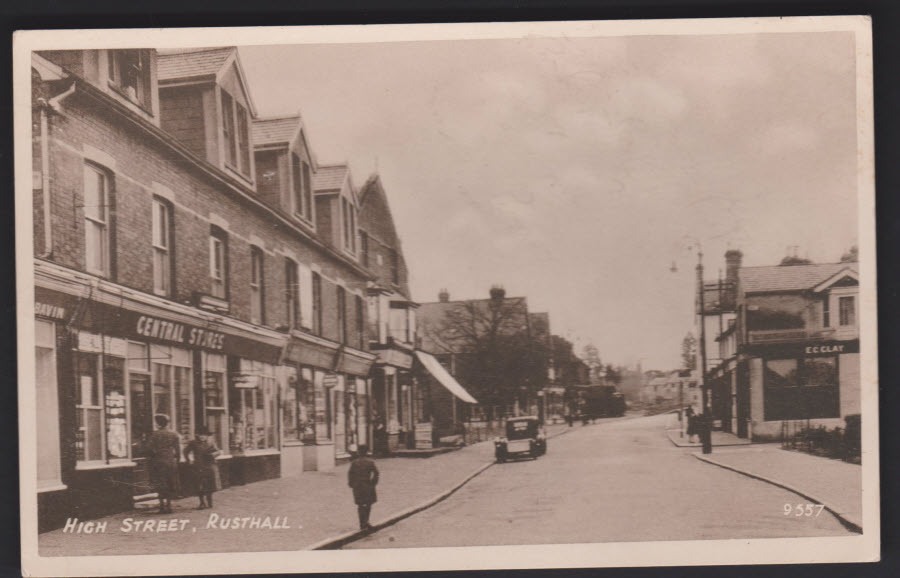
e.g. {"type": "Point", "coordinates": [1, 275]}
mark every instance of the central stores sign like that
{"type": "Point", "coordinates": [139, 326]}
{"type": "Point", "coordinates": [171, 332]}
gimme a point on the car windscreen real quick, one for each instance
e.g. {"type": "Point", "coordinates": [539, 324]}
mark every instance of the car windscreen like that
{"type": "Point", "coordinates": [521, 429]}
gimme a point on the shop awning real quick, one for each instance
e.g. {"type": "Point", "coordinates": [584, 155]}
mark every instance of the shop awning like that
{"type": "Point", "coordinates": [437, 370]}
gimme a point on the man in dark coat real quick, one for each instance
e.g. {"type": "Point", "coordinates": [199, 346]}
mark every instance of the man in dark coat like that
{"type": "Point", "coordinates": [363, 477]}
{"type": "Point", "coordinates": [164, 451]}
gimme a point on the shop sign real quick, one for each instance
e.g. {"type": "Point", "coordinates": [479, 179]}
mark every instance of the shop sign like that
{"type": "Point", "coordinates": [179, 333]}
{"type": "Point", "coordinates": [49, 310]}
{"type": "Point", "coordinates": [811, 349]}
{"type": "Point", "coordinates": [330, 380]}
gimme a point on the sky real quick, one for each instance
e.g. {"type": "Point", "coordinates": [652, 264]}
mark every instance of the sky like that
{"type": "Point", "coordinates": [577, 171]}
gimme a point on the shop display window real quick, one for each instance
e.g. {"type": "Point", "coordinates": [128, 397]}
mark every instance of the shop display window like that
{"type": "Point", "coordinates": [804, 388]}
{"type": "Point", "coordinates": [101, 406]}
{"type": "Point", "coordinates": [214, 397]}
{"type": "Point", "coordinates": [253, 415]}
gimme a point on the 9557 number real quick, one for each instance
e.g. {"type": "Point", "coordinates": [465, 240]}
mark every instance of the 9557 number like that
{"type": "Point", "coordinates": [803, 510]}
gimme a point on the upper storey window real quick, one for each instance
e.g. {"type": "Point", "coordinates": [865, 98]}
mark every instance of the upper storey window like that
{"type": "Point", "coordinates": [302, 185]}
{"type": "Point", "coordinates": [129, 73]}
{"type": "Point", "coordinates": [235, 132]}
{"type": "Point", "coordinates": [348, 218]}
{"type": "Point", "coordinates": [97, 220]}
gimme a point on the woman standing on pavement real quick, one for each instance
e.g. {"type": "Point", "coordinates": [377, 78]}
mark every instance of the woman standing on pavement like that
{"type": "Point", "coordinates": [164, 450]}
{"type": "Point", "coordinates": [201, 453]}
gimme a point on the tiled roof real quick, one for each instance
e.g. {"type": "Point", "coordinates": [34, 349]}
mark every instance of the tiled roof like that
{"type": "Point", "coordinates": [330, 177]}
{"type": "Point", "coordinates": [437, 338]}
{"type": "Point", "coordinates": [173, 64]}
{"type": "Point", "coordinates": [789, 277]}
{"type": "Point", "coordinates": [275, 130]}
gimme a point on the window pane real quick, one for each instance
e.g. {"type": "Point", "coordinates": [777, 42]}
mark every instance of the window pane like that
{"type": "Point", "coordinates": [820, 371]}
{"type": "Point", "coordinates": [781, 373]}
{"type": "Point", "coordinates": [87, 379]}
{"type": "Point", "coordinates": [228, 128]}
{"type": "Point", "coordinates": [93, 435]}
{"type": "Point", "coordinates": [244, 138]}
{"type": "Point", "coordinates": [48, 458]}
{"type": "Point", "coordinates": [183, 402]}
{"type": "Point", "coordinates": [114, 405]}
{"type": "Point", "coordinates": [94, 193]}
{"type": "Point", "coordinates": [162, 390]}
{"type": "Point", "coordinates": [141, 414]}
{"type": "Point", "coordinates": [847, 311]}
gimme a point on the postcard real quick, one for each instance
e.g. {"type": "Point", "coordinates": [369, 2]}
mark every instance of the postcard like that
{"type": "Point", "coordinates": [446, 296]}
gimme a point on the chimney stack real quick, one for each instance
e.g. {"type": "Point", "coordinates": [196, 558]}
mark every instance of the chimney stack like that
{"type": "Point", "coordinates": [733, 259]}
{"type": "Point", "coordinates": [498, 292]}
{"type": "Point", "coordinates": [444, 296]}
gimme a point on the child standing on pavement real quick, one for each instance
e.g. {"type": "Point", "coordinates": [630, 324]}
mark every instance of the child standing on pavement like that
{"type": "Point", "coordinates": [201, 453]}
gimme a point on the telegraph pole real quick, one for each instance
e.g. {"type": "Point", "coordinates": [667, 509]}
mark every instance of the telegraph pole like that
{"type": "Point", "coordinates": [706, 422]}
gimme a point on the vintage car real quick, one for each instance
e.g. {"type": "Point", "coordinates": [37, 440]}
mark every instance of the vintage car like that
{"type": "Point", "coordinates": [524, 438]}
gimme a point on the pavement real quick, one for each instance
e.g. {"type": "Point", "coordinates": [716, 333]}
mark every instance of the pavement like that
{"type": "Point", "coordinates": [617, 481]}
{"type": "Point", "coordinates": [835, 484]}
{"type": "Point", "coordinates": [304, 511]}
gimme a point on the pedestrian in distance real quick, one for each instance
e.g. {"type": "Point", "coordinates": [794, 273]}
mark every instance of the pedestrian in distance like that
{"type": "Point", "coordinates": [201, 453]}
{"type": "Point", "coordinates": [164, 451]}
{"type": "Point", "coordinates": [362, 478]}
{"type": "Point", "coordinates": [691, 420]}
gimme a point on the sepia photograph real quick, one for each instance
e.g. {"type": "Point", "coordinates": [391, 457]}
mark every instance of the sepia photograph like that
{"type": "Point", "coordinates": [457, 296]}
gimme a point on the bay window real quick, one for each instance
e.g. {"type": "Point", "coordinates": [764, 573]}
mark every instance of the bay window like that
{"type": "Point", "coordinates": [236, 134]}
{"type": "Point", "coordinates": [129, 73]}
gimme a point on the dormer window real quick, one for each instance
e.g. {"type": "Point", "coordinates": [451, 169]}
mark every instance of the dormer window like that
{"type": "Point", "coordinates": [235, 132]}
{"type": "Point", "coordinates": [129, 74]}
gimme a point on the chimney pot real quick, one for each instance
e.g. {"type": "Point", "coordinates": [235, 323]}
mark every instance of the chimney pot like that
{"type": "Point", "coordinates": [444, 296]}
{"type": "Point", "coordinates": [498, 292]}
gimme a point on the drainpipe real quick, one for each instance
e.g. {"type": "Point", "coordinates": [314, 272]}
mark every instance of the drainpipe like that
{"type": "Point", "coordinates": [52, 104]}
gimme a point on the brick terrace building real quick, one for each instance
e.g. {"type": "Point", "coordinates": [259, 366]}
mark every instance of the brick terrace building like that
{"type": "Point", "coordinates": [181, 269]}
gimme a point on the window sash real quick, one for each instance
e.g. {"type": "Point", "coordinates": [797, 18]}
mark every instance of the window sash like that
{"type": "Point", "coordinates": [292, 293]}
{"type": "Point", "coordinates": [307, 190]}
{"type": "Point", "coordinates": [317, 303]}
{"type": "Point", "coordinates": [847, 310]}
{"type": "Point", "coordinates": [298, 186]}
{"type": "Point", "coordinates": [228, 128]}
{"type": "Point", "coordinates": [342, 314]}
{"type": "Point", "coordinates": [243, 138]}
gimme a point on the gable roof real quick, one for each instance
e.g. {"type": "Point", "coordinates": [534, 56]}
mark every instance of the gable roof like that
{"type": "Point", "coordinates": [199, 63]}
{"type": "Point", "coordinates": [330, 178]}
{"type": "Point", "coordinates": [191, 63]}
{"type": "Point", "coordinates": [276, 130]}
{"type": "Point", "coordinates": [431, 318]}
{"type": "Point", "coordinates": [789, 277]}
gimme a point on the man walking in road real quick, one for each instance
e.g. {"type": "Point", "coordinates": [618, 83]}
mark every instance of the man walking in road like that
{"type": "Point", "coordinates": [363, 477]}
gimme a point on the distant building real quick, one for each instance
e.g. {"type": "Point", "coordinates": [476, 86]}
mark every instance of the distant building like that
{"type": "Point", "coordinates": [457, 333]}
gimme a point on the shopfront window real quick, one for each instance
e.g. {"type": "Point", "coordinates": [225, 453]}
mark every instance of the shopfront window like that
{"type": "Point", "coordinates": [322, 397]}
{"type": "Point", "coordinates": [805, 388]}
{"type": "Point", "coordinates": [362, 413]}
{"type": "Point", "coordinates": [340, 417]}
{"type": "Point", "coordinates": [253, 408]}
{"type": "Point", "coordinates": [48, 453]}
{"type": "Point", "coordinates": [102, 418]}
{"type": "Point", "coordinates": [214, 397]}
{"type": "Point", "coordinates": [298, 403]}
{"type": "Point", "coordinates": [170, 392]}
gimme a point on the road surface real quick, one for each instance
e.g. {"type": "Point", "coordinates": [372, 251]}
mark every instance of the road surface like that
{"type": "Point", "coordinates": [618, 481]}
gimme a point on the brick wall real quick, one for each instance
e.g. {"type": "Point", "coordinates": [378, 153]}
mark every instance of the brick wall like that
{"type": "Point", "coordinates": [140, 161]}
{"type": "Point", "coordinates": [181, 115]}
